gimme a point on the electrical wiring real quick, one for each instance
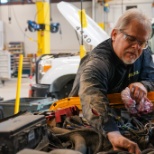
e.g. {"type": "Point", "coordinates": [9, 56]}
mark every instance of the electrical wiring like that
{"type": "Point", "coordinates": [22, 31]}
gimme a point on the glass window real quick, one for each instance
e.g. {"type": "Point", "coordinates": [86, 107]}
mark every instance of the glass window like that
{"type": "Point", "coordinates": [4, 1]}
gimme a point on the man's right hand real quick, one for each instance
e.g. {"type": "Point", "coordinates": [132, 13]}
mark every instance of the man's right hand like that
{"type": "Point", "coordinates": [138, 91]}
{"type": "Point", "coordinates": [120, 142]}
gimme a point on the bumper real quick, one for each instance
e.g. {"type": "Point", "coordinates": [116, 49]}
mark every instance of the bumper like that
{"type": "Point", "coordinates": [39, 90]}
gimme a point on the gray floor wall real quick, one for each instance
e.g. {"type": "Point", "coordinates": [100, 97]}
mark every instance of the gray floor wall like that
{"type": "Point", "coordinates": [9, 88]}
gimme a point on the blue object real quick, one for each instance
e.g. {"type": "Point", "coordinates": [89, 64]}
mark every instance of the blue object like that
{"type": "Point", "coordinates": [54, 27]}
{"type": "Point", "coordinates": [33, 26]}
{"type": "Point", "coordinates": [106, 9]}
{"type": "Point", "coordinates": [34, 104]}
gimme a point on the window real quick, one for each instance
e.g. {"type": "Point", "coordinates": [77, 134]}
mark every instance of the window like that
{"type": "Point", "coordinates": [3, 1]}
{"type": "Point", "coordinates": [130, 7]}
{"type": "Point", "coordinates": [13, 1]}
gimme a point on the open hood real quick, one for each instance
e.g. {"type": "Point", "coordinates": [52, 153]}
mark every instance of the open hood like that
{"type": "Point", "coordinates": [92, 33]}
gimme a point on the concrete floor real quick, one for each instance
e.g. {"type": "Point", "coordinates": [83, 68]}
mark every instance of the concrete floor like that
{"type": "Point", "coordinates": [8, 90]}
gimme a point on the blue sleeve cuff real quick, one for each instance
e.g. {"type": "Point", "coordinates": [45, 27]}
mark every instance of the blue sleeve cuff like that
{"type": "Point", "coordinates": [110, 125]}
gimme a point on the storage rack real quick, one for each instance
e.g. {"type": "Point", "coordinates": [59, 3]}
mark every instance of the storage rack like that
{"type": "Point", "coordinates": [17, 48]}
{"type": "Point", "coordinates": [26, 67]}
{"type": "Point", "coordinates": [5, 71]}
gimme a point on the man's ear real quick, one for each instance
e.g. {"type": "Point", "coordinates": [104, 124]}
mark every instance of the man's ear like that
{"type": "Point", "coordinates": [114, 34]}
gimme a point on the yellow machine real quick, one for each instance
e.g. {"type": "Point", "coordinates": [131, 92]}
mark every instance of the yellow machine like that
{"type": "Point", "coordinates": [65, 103]}
{"type": "Point", "coordinates": [43, 17]}
{"type": "Point", "coordinates": [114, 99]}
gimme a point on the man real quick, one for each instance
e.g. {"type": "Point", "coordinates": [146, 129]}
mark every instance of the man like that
{"type": "Point", "coordinates": [122, 61]}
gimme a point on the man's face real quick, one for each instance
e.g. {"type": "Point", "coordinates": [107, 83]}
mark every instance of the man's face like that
{"type": "Point", "coordinates": [128, 43]}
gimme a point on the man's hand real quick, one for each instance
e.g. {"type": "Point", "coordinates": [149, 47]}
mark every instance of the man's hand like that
{"type": "Point", "coordinates": [119, 142]}
{"type": "Point", "coordinates": [138, 91]}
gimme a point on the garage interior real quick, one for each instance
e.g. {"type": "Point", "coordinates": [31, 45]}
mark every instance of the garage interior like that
{"type": "Point", "coordinates": [40, 51]}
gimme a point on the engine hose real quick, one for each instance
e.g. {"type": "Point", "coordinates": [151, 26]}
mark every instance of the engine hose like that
{"type": "Point", "coordinates": [81, 138]}
{"type": "Point", "coordinates": [148, 151]}
{"type": "Point", "coordinates": [76, 138]}
{"type": "Point", "coordinates": [79, 143]}
{"type": "Point", "coordinates": [58, 130]}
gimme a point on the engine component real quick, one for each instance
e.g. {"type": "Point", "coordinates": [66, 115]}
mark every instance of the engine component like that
{"type": "Point", "coordinates": [24, 131]}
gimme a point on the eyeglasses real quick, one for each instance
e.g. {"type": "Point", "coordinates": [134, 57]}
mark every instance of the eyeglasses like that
{"type": "Point", "coordinates": [133, 40]}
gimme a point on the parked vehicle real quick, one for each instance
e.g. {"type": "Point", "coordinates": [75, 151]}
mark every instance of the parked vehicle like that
{"type": "Point", "coordinates": [55, 75]}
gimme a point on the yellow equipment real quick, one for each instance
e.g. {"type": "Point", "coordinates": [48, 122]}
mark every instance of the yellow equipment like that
{"type": "Point", "coordinates": [17, 103]}
{"type": "Point", "coordinates": [114, 100]}
{"type": "Point", "coordinates": [43, 17]}
{"type": "Point", "coordinates": [65, 103]}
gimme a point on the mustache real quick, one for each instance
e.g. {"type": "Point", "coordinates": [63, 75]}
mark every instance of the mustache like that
{"type": "Point", "coordinates": [134, 52]}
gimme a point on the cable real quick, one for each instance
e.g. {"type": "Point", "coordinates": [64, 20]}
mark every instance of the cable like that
{"type": "Point", "coordinates": [81, 25]}
{"type": "Point", "coordinates": [9, 12]}
{"type": "Point", "coordinates": [122, 6]}
{"type": "Point", "coordinates": [20, 26]}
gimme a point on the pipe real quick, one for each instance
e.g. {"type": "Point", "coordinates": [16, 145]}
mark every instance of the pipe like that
{"type": "Point", "coordinates": [93, 10]}
{"type": "Point", "coordinates": [78, 141]}
{"type": "Point", "coordinates": [81, 138]}
{"type": "Point", "coordinates": [17, 103]}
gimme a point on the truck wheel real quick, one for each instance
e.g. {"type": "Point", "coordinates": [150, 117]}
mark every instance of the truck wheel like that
{"type": "Point", "coordinates": [66, 90]}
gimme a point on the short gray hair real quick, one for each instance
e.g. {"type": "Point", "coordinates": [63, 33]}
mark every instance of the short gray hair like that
{"type": "Point", "coordinates": [134, 14]}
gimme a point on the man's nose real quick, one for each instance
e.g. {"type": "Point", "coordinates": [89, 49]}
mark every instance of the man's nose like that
{"type": "Point", "coordinates": [136, 45]}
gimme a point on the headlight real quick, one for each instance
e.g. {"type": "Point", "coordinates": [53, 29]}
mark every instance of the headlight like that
{"type": "Point", "coordinates": [44, 65]}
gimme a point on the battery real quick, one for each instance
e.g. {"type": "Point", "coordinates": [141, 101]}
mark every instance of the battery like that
{"type": "Point", "coordinates": [24, 131]}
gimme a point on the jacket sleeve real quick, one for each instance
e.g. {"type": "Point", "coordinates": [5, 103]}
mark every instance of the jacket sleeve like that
{"type": "Point", "coordinates": [147, 74]}
{"type": "Point", "coordinates": [92, 93]}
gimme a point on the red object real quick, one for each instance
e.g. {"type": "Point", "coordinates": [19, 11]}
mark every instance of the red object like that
{"type": "Point", "coordinates": [30, 86]}
{"type": "Point", "coordinates": [65, 112]}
